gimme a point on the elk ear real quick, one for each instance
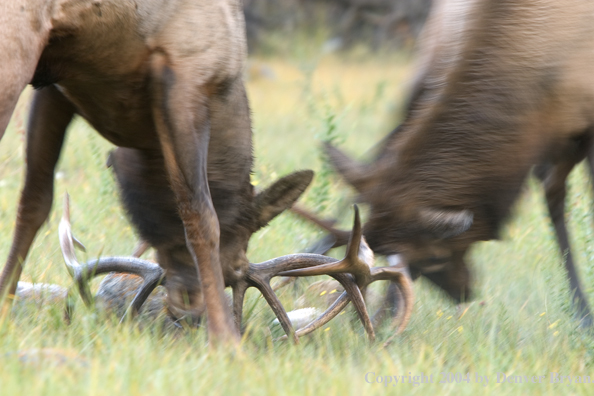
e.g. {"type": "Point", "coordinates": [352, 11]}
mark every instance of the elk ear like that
{"type": "Point", "coordinates": [280, 196]}
{"type": "Point", "coordinates": [352, 171]}
{"type": "Point", "coordinates": [445, 223]}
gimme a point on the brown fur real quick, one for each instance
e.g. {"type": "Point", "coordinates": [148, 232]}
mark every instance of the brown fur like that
{"type": "Point", "coordinates": [508, 89]}
{"type": "Point", "coordinates": [150, 203]}
{"type": "Point", "coordinates": [151, 75]}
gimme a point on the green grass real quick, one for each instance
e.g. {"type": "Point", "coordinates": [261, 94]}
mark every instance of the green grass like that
{"type": "Point", "coordinates": [520, 323]}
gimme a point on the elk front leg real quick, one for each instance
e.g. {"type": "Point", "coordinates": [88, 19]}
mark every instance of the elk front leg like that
{"type": "Point", "coordinates": [555, 191]}
{"type": "Point", "coordinates": [50, 114]}
{"type": "Point", "coordinates": [181, 116]}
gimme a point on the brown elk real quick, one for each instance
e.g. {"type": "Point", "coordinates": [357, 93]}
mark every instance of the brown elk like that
{"type": "Point", "coordinates": [117, 287]}
{"type": "Point", "coordinates": [164, 80]}
{"type": "Point", "coordinates": [507, 86]}
{"type": "Point", "coordinates": [150, 205]}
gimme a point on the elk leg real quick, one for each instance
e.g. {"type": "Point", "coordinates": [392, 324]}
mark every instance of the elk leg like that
{"type": "Point", "coordinates": [238, 296]}
{"type": "Point", "coordinates": [50, 114]}
{"type": "Point", "coordinates": [555, 191]}
{"type": "Point", "coordinates": [182, 120]}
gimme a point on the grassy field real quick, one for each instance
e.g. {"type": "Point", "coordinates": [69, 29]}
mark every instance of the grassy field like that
{"type": "Point", "coordinates": [520, 324]}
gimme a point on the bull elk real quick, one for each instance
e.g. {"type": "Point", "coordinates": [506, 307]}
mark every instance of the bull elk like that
{"type": "Point", "coordinates": [359, 259]}
{"type": "Point", "coordinates": [504, 86]}
{"type": "Point", "coordinates": [163, 80]}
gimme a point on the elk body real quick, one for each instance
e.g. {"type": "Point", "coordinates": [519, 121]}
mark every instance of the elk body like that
{"type": "Point", "coordinates": [163, 80]}
{"type": "Point", "coordinates": [507, 85]}
{"type": "Point", "coordinates": [152, 75]}
{"type": "Point", "coordinates": [146, 74]}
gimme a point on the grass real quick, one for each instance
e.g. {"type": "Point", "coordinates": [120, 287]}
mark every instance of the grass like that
{"type": "Point", "coordinates": [520, 324]}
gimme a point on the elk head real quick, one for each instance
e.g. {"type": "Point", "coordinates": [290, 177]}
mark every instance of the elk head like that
{"type": "Point", "coordinates": [150, 204]}
{"type": "Point", "coordinates": [429, 239]}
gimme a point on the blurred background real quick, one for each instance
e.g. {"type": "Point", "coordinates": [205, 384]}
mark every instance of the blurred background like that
{"type": "Point", "coordinates": [376, 23]}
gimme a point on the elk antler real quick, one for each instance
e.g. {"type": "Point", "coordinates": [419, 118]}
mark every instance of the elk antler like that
{"type": "Point", "coordinates": [365, 275]}
{"type": "Point", "coordinates": [259, 276]}
{"type": "Point", "coordinates": [140, 249]}
{"type": "Point", "coordinates": [151, 273]}
{"type": "Point", "coordinates": [336, 238]}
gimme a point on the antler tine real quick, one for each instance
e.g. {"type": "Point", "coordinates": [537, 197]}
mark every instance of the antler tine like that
{"type": "Point", "coordinates": [401, 291]}
{"type": "Point", "coordinates": [326, 224]}
{"type": "Point", "coordinates": [336, 238]}
{"type": "Point", "coordinates": [260, 275]}
{"type": "Point", "coordinates": [151, 273]}
{"type": "Point", "coordinates": [404, 283]}
{"type": "Point", "coordinates": [355, 237]}
{"type": "Point", "coordinates": [67, 245]}
{"type": "Point", "coordinates": [352, 293]}
{"type": "Point", "coordinates": [352, 263]}
{"type": "Point", "coordinates": [263, 285]}
{"type": "Point", "coordinates": [333, 310]}
{"type": "Point", "coordinates": [357, 262]}
{"type": "Point", "coordinates": [140, 248]}
{"type": "Point", "coordinates": [355, 295]}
